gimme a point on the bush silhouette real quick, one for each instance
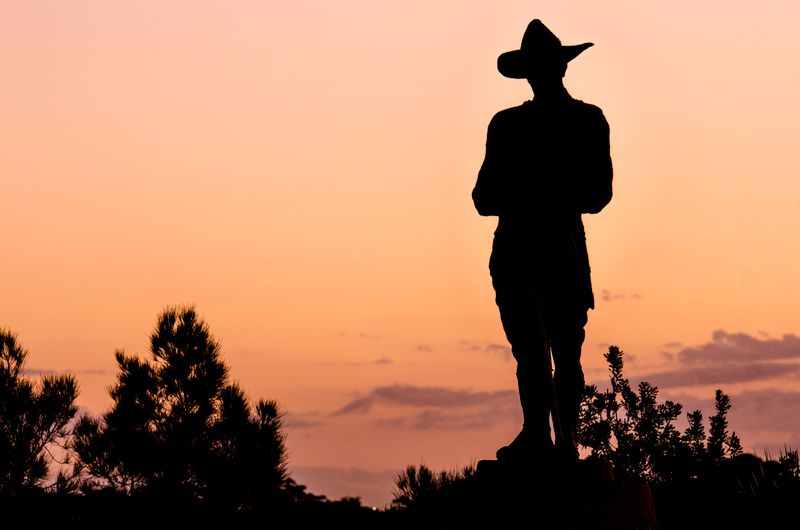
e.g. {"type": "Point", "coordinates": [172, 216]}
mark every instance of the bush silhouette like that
{"type": "Point", "coordinates": [636, 434]}
{"type": "Point", "coordinates": [32, 416]}
{"type": "Point", "coordinates": [180, 429]}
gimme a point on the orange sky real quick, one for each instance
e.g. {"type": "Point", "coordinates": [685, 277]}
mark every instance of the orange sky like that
{"type": "Point", "coordinates": [301, 172]}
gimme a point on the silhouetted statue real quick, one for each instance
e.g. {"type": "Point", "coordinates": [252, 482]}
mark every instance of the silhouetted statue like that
{"type": "Point", "coordinates": [547, 162]}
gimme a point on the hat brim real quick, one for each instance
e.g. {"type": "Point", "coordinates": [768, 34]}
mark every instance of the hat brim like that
{"type": "Point", "coordinates": [518, 64]}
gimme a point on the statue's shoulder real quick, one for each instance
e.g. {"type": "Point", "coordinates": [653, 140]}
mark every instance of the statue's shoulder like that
{"type": "Point", "coordinates": [588, 110]}
{"type": "Point", "coordinates": [513, 112]}
{"type": "Point", "coordinates": [509, 117]}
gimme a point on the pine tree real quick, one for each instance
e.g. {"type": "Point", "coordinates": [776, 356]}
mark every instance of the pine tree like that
{"type": "Point", "coordinates": [32, 417]}
{"type": "Point", "coordinates": [179, 428]}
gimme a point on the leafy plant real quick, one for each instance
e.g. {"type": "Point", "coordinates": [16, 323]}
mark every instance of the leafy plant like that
{"type": "Point", "coordinates": [636, 434]}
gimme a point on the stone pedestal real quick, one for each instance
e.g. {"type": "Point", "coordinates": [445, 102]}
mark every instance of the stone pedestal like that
{"type": "Point", "coordinates": [500, 497]}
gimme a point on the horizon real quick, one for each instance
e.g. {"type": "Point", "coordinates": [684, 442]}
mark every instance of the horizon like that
{"type": "Point", "coordinates": [302, 174]}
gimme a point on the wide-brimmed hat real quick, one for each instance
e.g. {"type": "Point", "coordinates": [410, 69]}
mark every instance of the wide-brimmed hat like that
{"type": "Point", "coordinates": [539, 47]}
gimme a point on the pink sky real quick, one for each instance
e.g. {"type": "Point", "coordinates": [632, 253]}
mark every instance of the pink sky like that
{"type": "Point", "coordinates": [301, 172]}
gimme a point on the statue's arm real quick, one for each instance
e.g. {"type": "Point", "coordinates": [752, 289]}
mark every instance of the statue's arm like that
{"type": "Point", "coordinates": [486, 194]}
{"type": "Point", "coordinates": [597, 171]}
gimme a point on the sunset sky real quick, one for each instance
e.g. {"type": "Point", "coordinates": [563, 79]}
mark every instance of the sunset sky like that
{"type": "Point", "coordinates": [301, 172]}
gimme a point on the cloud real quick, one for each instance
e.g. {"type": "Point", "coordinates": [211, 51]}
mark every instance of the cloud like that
{"type": "Point", "coordinates": [484, 418]}
{"type": "Point", "coordinates": [350, 364]}
{"type": "Point", "coordinates": [393, 422]}
{"type": "Point", "coordinates": [729, 358]}
{"type": "Point", "coordinates": [470, 345]}
{"type": "Point", "coordinates": [673, 344]}
{"type": "Point", "coordinates": [362, 335]}
{"type": "Point", "coordinates": [33, 372]}
{"type": "Point", "coordinates": [415, 396]}
{"type": "Point", "coordinates": [720, 374]}
{"type": "Point", "coordinates": [501, 350]}
{"type": "Point", "coordinates": [481, 418]}
{"type": "Point", "coordinates": [741, 347]}
{"type": "Point", "coordinates": [608, 296]}
{"type": "Point", "coordinates": [768, 409]}
{"type": "Point", "coordinates": [308, 420]}
{"type": "Point", "coordinates": [423, 347]}
{"type": "Point", "coordinates": [93, 371]}
{"type": "Point", "coordinates": [754, 412]}
{"type": "Point", "coordinates": [435, 419]}
{"type": "Point", "coordinates": [668, 356]}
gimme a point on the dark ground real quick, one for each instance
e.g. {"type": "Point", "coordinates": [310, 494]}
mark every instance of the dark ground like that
{"type": "Point", "coordinates": [481, 501]}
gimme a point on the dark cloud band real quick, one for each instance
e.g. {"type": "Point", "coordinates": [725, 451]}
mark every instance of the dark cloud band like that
{"type": "Point", "coordinates": [415, 396]}
{"type": "Point", "coordinates": [720, 374]}
{"type": "Point", "coordinates": [741, 347]}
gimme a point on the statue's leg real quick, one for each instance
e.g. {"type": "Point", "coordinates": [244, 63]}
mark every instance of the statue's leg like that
{"type": "Point", "coordinates": [516, 293]}
{"type": "Point", "coordinates": [566, 337]}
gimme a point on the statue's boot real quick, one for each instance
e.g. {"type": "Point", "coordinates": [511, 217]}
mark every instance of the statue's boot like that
{"type": "Point", "coordinates": [534, 440]}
